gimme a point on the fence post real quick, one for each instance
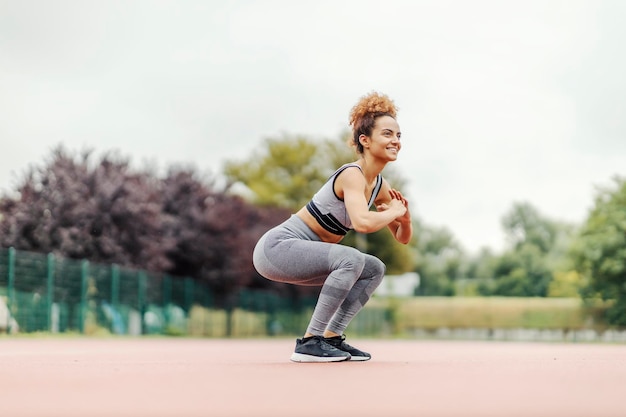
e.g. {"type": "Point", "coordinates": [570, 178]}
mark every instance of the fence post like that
{"type": "Point", "coordinates": [10, 286]}
{"type": "Point", "coordinates": [115, 286]}
{"type": "Point", "coordinates": [167, 298]}
{"type": "Point", "coordinates": [50, 289]}
{"type": "Point", "coordinates": [141, 299]}
{"type": "Point", "coordinates": [84, 273]}
{"type": "Point", "coordinates": [188, 293]}
{"type": "Point", "coordinates": [115, 294]}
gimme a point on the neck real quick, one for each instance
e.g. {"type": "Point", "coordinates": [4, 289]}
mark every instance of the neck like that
{"type": "Point", "coordinates": [371, 167]}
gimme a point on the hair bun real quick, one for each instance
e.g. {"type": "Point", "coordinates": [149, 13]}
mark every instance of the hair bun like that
{"type": "Point", "coordinates": [372, 103]}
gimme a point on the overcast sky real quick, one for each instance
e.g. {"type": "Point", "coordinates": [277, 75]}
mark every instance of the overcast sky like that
{"type": "Point", "coordinates": [499, 101]}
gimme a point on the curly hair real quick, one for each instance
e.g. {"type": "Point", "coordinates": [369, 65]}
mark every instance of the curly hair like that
{"type": "Point", "coordinates": [364, 114]}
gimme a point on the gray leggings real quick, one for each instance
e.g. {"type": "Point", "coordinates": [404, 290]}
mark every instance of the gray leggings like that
{"type": "Point", "coordinates": [291, 252]}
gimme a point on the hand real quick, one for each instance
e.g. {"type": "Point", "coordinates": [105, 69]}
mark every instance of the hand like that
{"type": "Point", "coordinates": [397, 203]}
{"type": "Point", "coordinates": [397, 196]}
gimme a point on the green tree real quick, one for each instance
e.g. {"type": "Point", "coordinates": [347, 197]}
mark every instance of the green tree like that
{"type": "Point", "coordinates": [524, 225]}
{"type": "Point", "coordinates": [522, 272]}
{"type": "Point", "coordinates": [284, 173]}
{"type": "Point", "coordinates": [480, 271]}
{"type": "Point", "coordinates": [600, 252]}
{"type": "Point", "coordinates": [538, 254]}
{"type": "Point", "coordinates": [440, 261]}
{"type": "Point", "coordinates": [538, 249]}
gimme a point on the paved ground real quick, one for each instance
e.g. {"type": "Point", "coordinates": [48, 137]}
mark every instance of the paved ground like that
{"type": "Point", "coordinates": [192, 377]}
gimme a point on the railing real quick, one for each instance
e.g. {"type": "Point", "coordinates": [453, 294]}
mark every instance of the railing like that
{"type": "Point", "coordinates": [46, 293]}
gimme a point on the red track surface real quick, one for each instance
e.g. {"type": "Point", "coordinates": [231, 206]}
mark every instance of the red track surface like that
{"type": "Point", "coordinates": [183, 377]}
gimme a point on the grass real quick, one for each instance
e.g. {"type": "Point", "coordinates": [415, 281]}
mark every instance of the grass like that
{"type": "Point", "coordinates": [486, 312]}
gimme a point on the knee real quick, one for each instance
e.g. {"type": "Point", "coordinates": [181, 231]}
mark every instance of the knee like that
{"type": "Point", "coordinates": [377, 268]}
{"type": "Point", "coordinates": [349, 259]}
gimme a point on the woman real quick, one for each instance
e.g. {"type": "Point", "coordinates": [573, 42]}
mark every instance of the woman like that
{"type": "Point", "coordinates": [304, 251]}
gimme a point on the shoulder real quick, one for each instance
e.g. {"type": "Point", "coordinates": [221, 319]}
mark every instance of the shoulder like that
{"type": "Point", "coordinates": [350, 173]}
{"type": "Point", "coordinates": [352, 166]}
{"type": "Point", "coordinates": [348, 178]}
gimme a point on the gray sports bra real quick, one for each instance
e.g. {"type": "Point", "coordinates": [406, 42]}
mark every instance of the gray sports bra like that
{"type": "Point", "coordinates": [329, 210]}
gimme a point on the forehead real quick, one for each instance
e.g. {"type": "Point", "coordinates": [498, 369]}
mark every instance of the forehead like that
{"type": "Point", "coordinates": [387, 122]}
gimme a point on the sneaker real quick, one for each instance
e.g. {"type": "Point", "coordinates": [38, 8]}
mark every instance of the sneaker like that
{"type": "Point", "coordinates": [355, 354]}
{"type": "Point", "coordinates": [315, 349]}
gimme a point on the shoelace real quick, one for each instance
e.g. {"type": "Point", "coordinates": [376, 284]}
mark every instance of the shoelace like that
{"type": "Point", "coordinates": [324, 343]}
{"type": "Point", "coordinates": [340, 341]}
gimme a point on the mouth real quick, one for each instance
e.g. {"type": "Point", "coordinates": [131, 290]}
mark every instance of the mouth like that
{"type": "Point", "coordinates": [393, 149]}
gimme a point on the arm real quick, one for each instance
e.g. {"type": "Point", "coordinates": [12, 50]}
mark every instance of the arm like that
{"type": "Point", "coordinates": [401, 227]}
{"type": "Point", "coordinates": [351, 184]}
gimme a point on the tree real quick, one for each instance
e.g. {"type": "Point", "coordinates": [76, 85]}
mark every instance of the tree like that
{"type": "Point", "coordinates": [537, 251]}
{"type": "Point", "coordinates": [285, 173]}
{"type": "Point", "coordinates": [600, 252]}
{"type": "Point", "coordinates": [103, 211]}
{"type": "Point", "coordinates": [480, 271]}
{"type": "Point", "coordinates": [440, 261]}
{"type": "Point", "coordinates": [523, 225]}
{"type": "Point", "coordinates": [215, 232]}
{"type": "Point", "coordinates": [522, 273]}
{"type": "Point", "coordinates": [83, 209]}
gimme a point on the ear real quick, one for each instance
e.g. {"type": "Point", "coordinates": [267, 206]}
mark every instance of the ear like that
{"type": "Point", "coordinates": [365, 141]}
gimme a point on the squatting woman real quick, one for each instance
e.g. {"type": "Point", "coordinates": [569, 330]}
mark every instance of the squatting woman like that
{"type": "Point", "coordinates": [304, 251]}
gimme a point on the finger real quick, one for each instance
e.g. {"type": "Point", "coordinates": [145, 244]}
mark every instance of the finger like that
{"type": "Point", "coordinates": [398, 196]}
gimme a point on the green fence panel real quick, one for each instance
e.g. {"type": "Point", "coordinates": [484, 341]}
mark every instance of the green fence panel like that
{"type": "Point", "coordinates": [28, 290]}
{"type": "Point", "coordinates": [49, 290]}
{"type": "Point", "coordinates": [67, 295]}
{"type": "Point", "coordinates": [49, 293]}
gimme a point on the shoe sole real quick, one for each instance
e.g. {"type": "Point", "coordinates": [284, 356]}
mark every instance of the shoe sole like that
{"type": "Point", "coordinates": [360, 358]}
{"type": "Point", "coordinates": [301, 357]}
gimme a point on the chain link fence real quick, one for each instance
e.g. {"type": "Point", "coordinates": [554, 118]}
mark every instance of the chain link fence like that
{"type": "Point", "coordinates": [46, 293]}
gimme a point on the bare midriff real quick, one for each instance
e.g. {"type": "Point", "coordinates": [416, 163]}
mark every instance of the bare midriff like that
{"type": "Point", "coordinates": [323, 234]}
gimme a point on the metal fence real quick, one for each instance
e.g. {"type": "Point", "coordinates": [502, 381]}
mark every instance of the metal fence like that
{"type": "Point", "coordinates": [45, 293]}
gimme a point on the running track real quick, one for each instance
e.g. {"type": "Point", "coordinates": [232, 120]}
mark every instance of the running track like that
{"type": "Point", "coordinates": [222, 378]}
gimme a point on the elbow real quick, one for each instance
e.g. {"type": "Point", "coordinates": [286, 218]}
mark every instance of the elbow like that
{"type": "Point", "coordinates": [404, 233]}
{"type": "Point", "coordinates": [362, 229]}
{"type": "Point", "coordinates": [404, 241]}
{"type": "Point", "coordinates": [362, 226]}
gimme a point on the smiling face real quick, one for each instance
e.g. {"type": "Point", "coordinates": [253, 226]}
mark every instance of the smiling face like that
{"type": "Point", "coordinates": [384, 142]}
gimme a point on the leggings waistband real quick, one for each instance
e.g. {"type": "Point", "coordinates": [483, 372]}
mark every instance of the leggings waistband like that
{"type": "Point", "coordinates": [299, 228]}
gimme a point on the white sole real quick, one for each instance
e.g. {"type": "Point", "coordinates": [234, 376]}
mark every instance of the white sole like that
{"type": "Point", "coordinates": [359, 358]}
{"type": "Point", "coordinates": [300, 357]}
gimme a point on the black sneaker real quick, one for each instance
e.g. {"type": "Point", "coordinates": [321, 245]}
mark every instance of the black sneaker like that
{"type": "Point", "coordinates": [355, 354]}
{"type": "Point", "coordinates": [315, 349]}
